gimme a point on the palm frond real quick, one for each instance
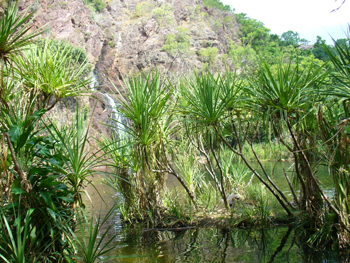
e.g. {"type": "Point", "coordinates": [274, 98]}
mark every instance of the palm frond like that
{"type": "Point", "coordinates": [15, 32]}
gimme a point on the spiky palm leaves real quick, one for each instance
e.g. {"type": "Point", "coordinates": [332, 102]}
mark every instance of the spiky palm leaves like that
{"type": "Point", "coordinates": [76, 163]}
{"type": "Point", "coordinates": [335, 117]}
{"type": "Point", "coordinates": [50, 73]}
{"type": "Point", "coordinates": [146, 104]}
{"type": "Point", "coordinates": [14, 38]}
{"type": "Point", "coordinates": [287, 99]}
{"type": "Point", "coordinates": [207, 101]}
{"type": "Point", "coordinates": [14, 32]}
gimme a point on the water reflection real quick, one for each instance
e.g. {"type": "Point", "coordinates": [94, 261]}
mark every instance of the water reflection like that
{"type": "Point", "coordinates": [278, 244]}
{"type": "Point", "coordinates": [210, 244]}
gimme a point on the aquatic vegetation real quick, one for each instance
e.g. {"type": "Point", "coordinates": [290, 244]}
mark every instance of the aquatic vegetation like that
{"type": "Point", "coordinates": [219, 119]}
{"type": "Point", "coordinates": [272, 150]}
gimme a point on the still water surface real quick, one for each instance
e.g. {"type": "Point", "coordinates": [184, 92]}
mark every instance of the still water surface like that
{"type": "Point", "coordinates": [278, 244]}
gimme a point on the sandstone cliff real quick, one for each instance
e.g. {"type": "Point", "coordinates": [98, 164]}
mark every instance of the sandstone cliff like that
{"type": "Point", "coordinates": [132, 36]}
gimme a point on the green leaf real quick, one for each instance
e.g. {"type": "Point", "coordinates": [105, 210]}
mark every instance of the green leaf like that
{"type": "Point", "coordinates": [47, 199]}
{"type": "Point", "coordinates": [48, 182]}
{"type": "Point", "coordinates": [52, 213]}
{"type": "Point", "coordinates": [15, 133]}
{"type": "Point", "coordinates": [66, 199]}
{"type": "Point", "coordinates": [18, 191]}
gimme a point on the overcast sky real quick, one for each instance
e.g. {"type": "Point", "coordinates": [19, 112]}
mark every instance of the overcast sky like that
{"type": "Point", "coordinates": [309, 18]}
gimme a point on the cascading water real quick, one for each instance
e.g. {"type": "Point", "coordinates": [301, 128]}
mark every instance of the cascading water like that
{"type": "Point", "coordinates": [105, 196]}
{"type": "Point", "coordinates": [94, 82]}
{"type": "Point", "coordinates": [116, 118]}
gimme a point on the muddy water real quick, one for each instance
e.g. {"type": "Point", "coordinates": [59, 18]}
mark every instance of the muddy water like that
{"type": "Point", "coordinates": [279, 244]}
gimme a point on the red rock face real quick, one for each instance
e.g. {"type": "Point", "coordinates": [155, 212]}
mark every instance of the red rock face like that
{"type": "Point", "coordinates": [128, 37]}
{"type": "Point", "coordinates": [69, 20]}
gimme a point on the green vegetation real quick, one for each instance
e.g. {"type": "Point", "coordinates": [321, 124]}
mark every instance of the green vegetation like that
{"type": "Point", "coordinates": [164, 15]}
{"type": "Point", "coordinates": [257, 42]}
{"type": "Point", "coordinates": [217, 4]}
{"type": "Point", "coordinates": [298, 105]}
{"type": "Point", "coordinates": [146, 106]}
{"type": "Point", "coordinates": [54, 70]}
{"type": "Point", "coordinates": [253, 32]}
{"type": "Point", "coordinates": [111, 43]}
{"type": "Point", "coordinates": [211, 132]}
{"type": "Point", "coordinates": [44, 166]}
{"type": "Point", "coordinates": [96, 5]}
{"type": "Point", "coordinates": [178, 43]}
{"type": "Point", "coordinates": [208, 54]}
{"type": "Point", "coordinates": [93, 248]}
{"type": "Point", "coordinates": [291, 38]}
{"type": "Point", "coordinates": [244, 58]}
{"type": "Point", "coordinates": [144, 8]}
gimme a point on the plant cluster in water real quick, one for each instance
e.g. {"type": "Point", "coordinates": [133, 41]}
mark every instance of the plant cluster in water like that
{"type": "Point", "coordinates": [203, 130]}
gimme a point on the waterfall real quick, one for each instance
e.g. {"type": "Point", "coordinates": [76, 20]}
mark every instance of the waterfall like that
{"type": "Point", "coordinates": [94, 81]}
{"type": "Point", "coordinates": [116, 118]}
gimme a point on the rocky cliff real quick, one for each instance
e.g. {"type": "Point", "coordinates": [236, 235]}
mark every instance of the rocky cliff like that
{"type": "Point", "coordinates": [131, 36]}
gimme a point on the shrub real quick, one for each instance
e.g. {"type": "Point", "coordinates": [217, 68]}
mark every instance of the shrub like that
{"type": "Point", "coordinates": [97, 5]}
{"type": "Point", "coordinates": [208, 54]}
{"type": "Point", "coordinates": [217, 4]}
{"type": "Point", "coordinates": [177, 42]}
{"type": "Point", "coordinates": [144, 8]}
{"type": "Point", "coordinates": [164, 15]}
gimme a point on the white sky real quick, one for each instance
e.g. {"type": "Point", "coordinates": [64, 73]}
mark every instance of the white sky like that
{"type": "Point", "coordinates": [309, 18]}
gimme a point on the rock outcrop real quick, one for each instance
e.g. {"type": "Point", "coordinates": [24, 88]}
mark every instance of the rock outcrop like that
{"type": "Point", "coordinates": [132, 36]}
{"type": "Point", "coordinates": [129, 37]}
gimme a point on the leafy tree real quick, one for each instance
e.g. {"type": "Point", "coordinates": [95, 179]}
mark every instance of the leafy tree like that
{"type": "Point", "coordinates": [164, 15]}
{"type": "Point", "coordinates": [253, 32]}
{"type": "Point", "coordinates": [274, 37]}
{"type": "Point", "coordinates": [342, 42]}
{"type": "Point", "coordinates": [290, 38]}
{"type": "Point", "coordinates": [244, 58]}
{"type": "Point", "coordinates": [319, 51]}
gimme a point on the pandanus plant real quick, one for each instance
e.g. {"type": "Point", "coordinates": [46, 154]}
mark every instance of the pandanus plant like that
{"type": "Point", "coordinates": [15, 36]}
{"type": "Point", "coordinates": [146, 104]}
{"type": "Point", "coordinates": [49, 72]}
{"type": "Point", "coordinates": [207, 102]}
{"type": "Point", "coordinates": [287, 99]}
{"type": "Point", "coordinates": [284, 99]}
{"type": "Point", "coordinates": [76, 163]}
{"type": "Point", "coordinates": [334, 118]}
